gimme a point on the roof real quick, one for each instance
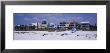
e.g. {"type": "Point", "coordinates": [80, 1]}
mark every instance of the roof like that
{"type": "Point", "coordinates": [85, 22]}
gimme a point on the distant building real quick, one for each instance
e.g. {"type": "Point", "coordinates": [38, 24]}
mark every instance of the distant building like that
{"type": "Point", "coordinates": [52, 25]}
{"type": "Point", "coordinates": [39, 25]}
{"type": "Point", "coordinates": [67, 25]}
{"type": "Point", "coordinates": [72, 24]}
{"type": "Point", "coordinates": [44, 24]}
{"type": "Point", "coordinates": [62, 24]}
{"type": "Point", "coordinates": [85, 25]}
{"type": "Point", "coordinates": [35, 24]}
{"type": "Point", "coordinates": [17, 25]}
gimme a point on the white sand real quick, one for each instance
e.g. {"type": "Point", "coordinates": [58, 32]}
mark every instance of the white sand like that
{"type": "Point", "coordinates": [64, 35]}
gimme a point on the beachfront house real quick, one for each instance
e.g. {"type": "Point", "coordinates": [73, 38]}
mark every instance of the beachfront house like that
{"type": "Point", "coordinates": [44, 24]}
{"type": "Point", "coordinates": [72, 24]}
{"type": "Point", "coordinates": [52, 25]}
{"type": "Point", "coordinates": [67, 25]}
{"type": "Point", "coordinates": [85, 25]}
{"type": "Point", "coordinates": [35, 24]}
{"type": "Point", "coordinates": [39, 25]}
{"type": "Point", "coordinates": [62, 24]}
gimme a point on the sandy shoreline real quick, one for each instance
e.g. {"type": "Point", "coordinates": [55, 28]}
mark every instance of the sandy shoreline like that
{"type": "Point", "coordinates": [64, 35]}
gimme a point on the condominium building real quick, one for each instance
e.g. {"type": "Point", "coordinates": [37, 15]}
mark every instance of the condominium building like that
{"type": "Point", "coordinates": [85, 25]}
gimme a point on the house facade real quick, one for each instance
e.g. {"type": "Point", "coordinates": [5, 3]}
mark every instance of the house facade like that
{"type": "Point", "coordinates": [85, 25]}
{"type": "Point", "coordinates": [44, 24]}
{"type": "Point", "coordinates": [35, 24]}
{"type": "Point", "coordinates": [52, 25]}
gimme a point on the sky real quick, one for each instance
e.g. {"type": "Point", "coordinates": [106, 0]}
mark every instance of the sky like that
{"type": "Point", "coordinates": [28, 18]}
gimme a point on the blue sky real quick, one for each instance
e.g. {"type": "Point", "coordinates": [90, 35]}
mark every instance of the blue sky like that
{"type": "Point", "coordinates": [28, 18]}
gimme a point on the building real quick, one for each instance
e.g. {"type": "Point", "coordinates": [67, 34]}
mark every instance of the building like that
{"type": "Point", "coordinates": [39, 25]}
{"type": "Point", "coordinates": [62, 24]}
{"type": "Point", "coordinates": [44, 24]}
{"type": "Point", "coordinates": [52, 25]}
{"type": "Point", "coordinates": [67, 25]}
{"type": "Point", "coordinates": [85, 25]}
{"type": "Point", "coordinates": [72, 24]}
{"type": "Point", "coordinates": [35, 24]}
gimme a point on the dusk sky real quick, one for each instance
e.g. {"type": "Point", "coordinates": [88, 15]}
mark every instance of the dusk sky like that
{"type": "Point", "coordinates": [28, 18]}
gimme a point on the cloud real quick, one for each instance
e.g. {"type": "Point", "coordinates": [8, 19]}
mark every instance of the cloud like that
{"type": "Point", "coordinates": [27, 19]}
{"type": "Point", "coordinates": [47, 14]}
{"type": "Point", "coordinates": [35, 18]}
